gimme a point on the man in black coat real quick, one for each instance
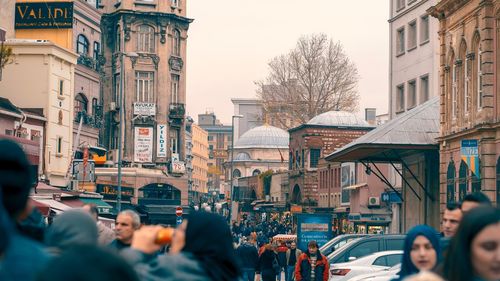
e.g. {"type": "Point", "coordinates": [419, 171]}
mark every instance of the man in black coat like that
{"type": "Point", "coordinates": [249, 258]}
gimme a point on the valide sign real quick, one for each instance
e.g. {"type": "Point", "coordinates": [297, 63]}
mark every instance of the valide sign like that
{"type": "Point", "coordinates": [44, 15]}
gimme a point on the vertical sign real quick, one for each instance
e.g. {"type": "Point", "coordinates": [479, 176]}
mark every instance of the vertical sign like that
{"type": "Point", "coordinates": [161, 140]}
{"type": "Point", "coordinates": [143, 144]}
{"type": "Point", "coordinates": [470, 154]}
{"type": "Point", "coordinates": [316, 227]}
{"type": "Point", "coordinates": [347, 178]}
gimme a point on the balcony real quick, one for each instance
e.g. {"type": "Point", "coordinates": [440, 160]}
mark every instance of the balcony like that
{"type": "Point", "coordinates": [89, 62]}
{"type": "Point", "coordinates": [176, 111]}
{"type": "Point", "coordinates": [89, 120]}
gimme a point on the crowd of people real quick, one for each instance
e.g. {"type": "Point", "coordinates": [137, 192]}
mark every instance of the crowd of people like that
{"type": "Point", "coordinates": [77, 246]}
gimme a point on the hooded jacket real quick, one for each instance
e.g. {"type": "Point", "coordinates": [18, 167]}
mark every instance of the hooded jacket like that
{"type": "Point", "coordinates": [303, 267]}
{"type": "Point", "coordinates": [248, 256]}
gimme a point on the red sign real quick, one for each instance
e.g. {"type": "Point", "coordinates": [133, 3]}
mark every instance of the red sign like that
{"type": "Point", "coordinates": [178, 211]}
{"type": "Point", "coordinates": [85, 156]}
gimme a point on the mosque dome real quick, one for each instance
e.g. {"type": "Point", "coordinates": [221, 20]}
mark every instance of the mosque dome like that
{"type": "Point", "coordinates": [263, 137]}
{"type": "Point", "coordinates": [242, 156]}
{"type": "Point", "coordinates": [338, 118]}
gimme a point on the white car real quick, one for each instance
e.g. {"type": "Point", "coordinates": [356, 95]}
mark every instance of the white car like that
{"type": "Point", "coordinates": [383, 275]}
{"type": "Point", "coordinates": [369, 264]}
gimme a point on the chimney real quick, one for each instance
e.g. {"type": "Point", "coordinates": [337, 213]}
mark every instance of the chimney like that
{"type": "Point", "coordinates": [371, 116]}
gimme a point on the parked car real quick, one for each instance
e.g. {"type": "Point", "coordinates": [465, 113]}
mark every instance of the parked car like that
{"type": "Point", "coordinates": [338, 242]}
{"type": "Point", "coordinates": [368, 264]}
{"type": "Point", "coordinates": [383, 275]}
{"type": "Point", "coordinates": [365, 246]}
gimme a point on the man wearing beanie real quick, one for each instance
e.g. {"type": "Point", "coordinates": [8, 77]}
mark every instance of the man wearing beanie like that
{"type": "Point", "coordinates": [23, 258]}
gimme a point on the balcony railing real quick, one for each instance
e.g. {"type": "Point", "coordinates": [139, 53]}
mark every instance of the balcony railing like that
{"type": "Point", "coordinates": [177, 111]}
{"type": "Point", "coordinates": [89, 120]}
{"type": "Point", "coordinates": [89, 62]}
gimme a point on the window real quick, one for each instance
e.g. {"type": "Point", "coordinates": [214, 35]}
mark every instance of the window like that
{"type": "Point", "coordinates": [175, 3]}
{"type": "Point", "coordinates": [363, 249]}
{"type": "Point", "coordinates": [412, 94]}
{"type": "Point", "coordinates": [174, 88]}
{"type": "Point", "coordinates": [97, 50]}
{"type": "Point", "coordinates": [61, 87]}
{"type": "Point", "coordinates": [454, 103]}
{"type": "Point", "coordinates": [424, 88]}
{"type": "Point", "coordinates": [394, 244]}
{"type": "Point", "coordinates": [400, 4]}
{"type": "Point", "coordinates": [400, 98]}
{"type": "Point", "coordinates": [81, 103]}
{"type": "Point", "coordinates": [210, 138]}
{"type": "Point", "coordinates": [82, 45]}
{"type": "Point", "coordinates": [479, 78]}
{"type": "Point", "coordinates": [176, 43]}
{"type": "Point", "coordinates": [400, 44]}
{"type": "Point", "coordinates": [466, 86]}
{"type": "Point", "coordinates": [256, 172]}
{"type": "Point", "coordinates": [314, 155]}
{"type": "Point", "coordinates": [450, 183]}
{"type": "Point", "coordinates": [145, 39]}
{"type": "Point", "coordinates": [380, 261]}
{"type": "Point", "coordinates": [116, 83]}
{"type": "Point", "coordinates": [412, 35]}
{"type": "Point", "coordinates": [392, 260]}
{"type": "Point", "coordinates": [236, 173]}
{"type": "Point", "coordinates": [145, 86]}
{"type": "Point", "coordinates": [59, 145]}
{"type": "Point", "coordinates": [94, 106]}
{"type": "Point", "coordinates": [118, 42]}
{"type": "Point", "coordinates": [174, 136]}
{"type": "Point", "coordinates": [424, 29]}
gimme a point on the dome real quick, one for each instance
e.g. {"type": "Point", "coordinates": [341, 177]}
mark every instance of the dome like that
{"type": "Point", "coordinates": [263, 137]}
{"type": "Point", "coordinates": [338, 118]}
{"type": "Point", "coordinates": [242, 156]}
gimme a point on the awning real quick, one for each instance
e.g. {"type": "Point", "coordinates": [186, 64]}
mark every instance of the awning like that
{"type": "Point", "coordinates": [341, 210]}
{"type": "Point", "coordinates": [54, 205]}
{"type": "Point", "coordinates": [285, 237]}
{"type": "Point", "coordinates": [43, 208]}
{"type": "Point", "coordinates": [102, 207]}
{"type": "Point", "coordinates": [355, 186]}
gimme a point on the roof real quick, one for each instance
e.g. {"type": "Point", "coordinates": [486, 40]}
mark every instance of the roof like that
{"type": "Point", "coordinates": [416, 129]}
{"type": "Point", "coordinates": [338, 118]}
{"type": "Point", "coordinates": [263, 137]}
{"type": "Point", "coordinates": [7, 105]}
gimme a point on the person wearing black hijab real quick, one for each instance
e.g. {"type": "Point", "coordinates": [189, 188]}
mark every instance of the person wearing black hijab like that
{"type": "Point", "coordinates": [201, 250]}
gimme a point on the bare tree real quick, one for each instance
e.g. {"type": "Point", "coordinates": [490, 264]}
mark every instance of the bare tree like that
{"type": "Point", "coordinates": [315, 77]}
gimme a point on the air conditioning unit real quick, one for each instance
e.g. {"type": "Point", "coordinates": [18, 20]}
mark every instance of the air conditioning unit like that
{"type": "Point", "coordinates": [373, 201]}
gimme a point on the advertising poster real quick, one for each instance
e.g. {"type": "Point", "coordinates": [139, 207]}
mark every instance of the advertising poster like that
{"type": "Point", "coordinates": [143, 144]}
{"type": "Point", "coordinates": [347, 178]}
{"type": "Point", "coordinates": [161, 140]}
{"type": "Point", "coordinates": [316, 227]}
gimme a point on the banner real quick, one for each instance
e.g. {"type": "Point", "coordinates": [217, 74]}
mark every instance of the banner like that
{"type": "Point", "coordinates": [44, 15]}
{"type": "Point", "coordinates": [143, 144]}
{"type": "Point", "coordinates": [470, 155]}
{"type": "Point", "coordinates": [161, 140]}
{"type": "Point", "coordinates": [317, 227]}
{"type": "Point", "coordinates": [347, 178]}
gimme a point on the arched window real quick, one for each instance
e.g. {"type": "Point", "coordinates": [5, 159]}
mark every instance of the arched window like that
{"type": "Point", "coordinates": [477, 74]}
{"type": "Point", "coordinates": [176, 43]}
{"type": "Point", "coordinates": [236, 173]}
{"type": "Point", "coordinates": [452, 85]}
{"type": "Point", "coordinates": [81, 104]}
{"type": "Point", "coordinates": [256, 172]}
{"type": "Point", "coordinates": [464, 77]}
{"type": "Point", "coordinates": [450, 183]}
{"type": "Point", "coordinates": [463, 181]}
{"type": "Point", "coordinates": [94, 106]}
{"type": "Point", "coordinates": [82, 45]}
{"type": "Point", "coordinates": [145, 39]}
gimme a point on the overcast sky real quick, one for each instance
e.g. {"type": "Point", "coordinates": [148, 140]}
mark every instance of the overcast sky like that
{"type": "Point", "coordinates": [231, 41]}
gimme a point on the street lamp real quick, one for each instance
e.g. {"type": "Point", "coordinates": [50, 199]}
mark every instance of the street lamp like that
{"type": "Point", "coordinates": [120, 128]}
{"type": "Point", "coordinates": [231, 172]}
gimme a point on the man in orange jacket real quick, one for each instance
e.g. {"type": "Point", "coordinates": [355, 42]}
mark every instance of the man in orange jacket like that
{"type": "Point", "coordinates": [312, 265]}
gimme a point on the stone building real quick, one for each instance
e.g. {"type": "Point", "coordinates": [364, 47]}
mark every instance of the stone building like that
{"type": "Point", "coordinates": [469, 108]}
{"type": "Point", "coordinates": [313, 141]}
{"type": "Point", "coordinates": [200, 161]}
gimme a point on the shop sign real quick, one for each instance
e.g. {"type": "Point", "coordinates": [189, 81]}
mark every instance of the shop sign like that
{"type": "Point", "coordinates": [143, 145]}
{"type": "Point", "coordinates": [178, 167]}
{"type": "Point", "coordinates": [313, 227]}
{"type": "Point", "coordinates": [144, 108]}
{"type": "Point", "coordinates": [44, 15]}
{"type": "Point", "coordinates": [161, 140]}
{"type": "Point", "coordinates": [220, 153]}
{"type": "Point", "coordinates": [296, 209]}
{"type": "Point", "coordinates": [109, 191]}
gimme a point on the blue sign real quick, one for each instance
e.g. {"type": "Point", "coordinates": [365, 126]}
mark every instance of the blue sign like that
{"type": "Point", "coordinates": [178, 220]}
{"type": "Point", "coordinates": [469, 148]}
{"type": "Point", "coordinates": [390, 197]}
{"type": "Point", "coordinates": [317, 227]}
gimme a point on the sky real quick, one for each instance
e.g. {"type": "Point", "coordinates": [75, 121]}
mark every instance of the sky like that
{"type": "Point", "coordinates": [230, 43]}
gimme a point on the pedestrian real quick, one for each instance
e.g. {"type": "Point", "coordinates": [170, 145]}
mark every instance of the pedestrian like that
{"type": "Point", "coordinates": [292, 256]}
{"type": "Point", "coordinates": [421, 251]}
{"type": "Point", "coordinates": [22, 258]}
{"type": "Point", "coordinates": [249, 259]}
{"type": "Point", "coordinates": [424, 276]}
{"type": "Point", "coordinates": [451, 219]}
{"type": "Point", "coordinates": [88, 263]}
{"type": "Point", "coordinates": [201, 250]}
{"type": "Point", "coordinates": [126, 223]}
{"type": "Point", "coordinates": [473, 200]}
{"type": "Point", "coordinates": [474, 253]}
{"type": "Point", "coordinates": [70, 229]}
{"type": "Point", "coordinates": [106, 235]}
{"type": "Point", "coordinates": [281, 251]}
{"type": "Point", "coordinates": [268, 266]}
{"type": "Point", "coordinates": [312, 265]}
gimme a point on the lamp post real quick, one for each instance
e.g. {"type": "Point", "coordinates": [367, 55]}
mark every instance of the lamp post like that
{"type": "Point", "coordinates": [231, 172]}
{"type": "Point", "coordinates": [120, 128]}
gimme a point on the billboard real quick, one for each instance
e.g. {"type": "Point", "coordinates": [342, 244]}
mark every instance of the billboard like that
{"type": "Point", "coordinates": [317, 227]}
{"type": "Point", "coordinates": [161, 140]}
{"type": "Point", "coordinates": [347, 178]}
{"type": "Point", "coordinates": [143, 145]}
{"type": "Point", "coordinates": [44, 15]}
{"type": "Point", "coordinates": [144, 109]}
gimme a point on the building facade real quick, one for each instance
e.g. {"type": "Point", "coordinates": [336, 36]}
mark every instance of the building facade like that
{"type": "Point", "coordinates": [251, 110]}
{"type": "Point", "coordinates": [413, 57]}
{"type": "Point", "coordinates": [313, 141]}
{"type": "Point", "coordinates": [200, 162]}
{"type": "Point", "coordinates": [469, 109]}
{"type": "Point", "coordinates": [51, 70]}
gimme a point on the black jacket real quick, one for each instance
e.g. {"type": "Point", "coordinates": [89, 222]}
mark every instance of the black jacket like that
{"type": "Point", "coordinates": [265, 263]}
{"type": "Point", "coordinates": [248, 256]}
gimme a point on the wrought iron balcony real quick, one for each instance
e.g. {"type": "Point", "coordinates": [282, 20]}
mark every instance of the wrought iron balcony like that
{"type": "Point", "coordinates": [176, 111]}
